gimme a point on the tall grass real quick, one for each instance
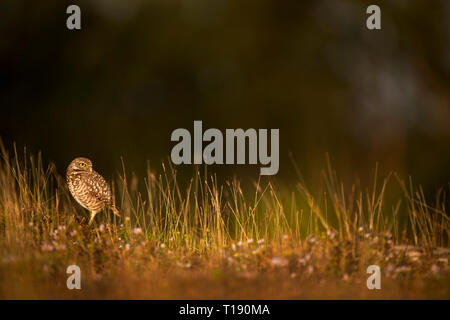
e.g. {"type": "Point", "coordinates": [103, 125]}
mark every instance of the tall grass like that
{"type": "Point", "coordinates": [208, 214]}
{"type": "Point", "coordinates": [207, 218]}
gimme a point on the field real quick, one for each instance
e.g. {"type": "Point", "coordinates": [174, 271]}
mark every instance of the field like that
{"type": "Point", "coordinates": [204, 238]}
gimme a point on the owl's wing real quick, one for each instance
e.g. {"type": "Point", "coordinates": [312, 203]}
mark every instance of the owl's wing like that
{"type": "Point", "coordinates": [98, 187]}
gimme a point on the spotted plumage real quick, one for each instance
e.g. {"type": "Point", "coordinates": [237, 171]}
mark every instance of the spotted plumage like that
{"type": "Point", "coordinates": [89, 188]}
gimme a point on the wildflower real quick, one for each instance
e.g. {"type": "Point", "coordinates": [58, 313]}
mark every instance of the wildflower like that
{"type": "Point", "coordinates": [162, 245]}
{"type": "Point", "coordinates": [250, 241]}
{"type": "Point", "coordinates": [239, 243]}
{"type": "Point", "coordinates": [403, 269]}
{"type": "Point", "coordinates": [127, 246]}
{"type": "Point", "coordinates": [138, 231]}
{"type": "Point", "coordinates": [443, 260]}
{"type": "Point", "coordinates": [435, 269]}
{"type": "Point", "coordinates": [101, 228]}
{"type": "Point", "coordinates": [233, 246]}
{"type": "Point", "coordinates": [312, 239]}
{"type": "Point", "coordinates": [61, 246]}
{"type": "Point", "coordinates": [279, 262]}
{"type": "Point", "coordinates": [389, 269]}
{"type": "Point", "coordinates": [261, 241]}
{"type": "Point", "coordinates": [310, 269]}
{"type": "Point", "coordinates": [47, 247]}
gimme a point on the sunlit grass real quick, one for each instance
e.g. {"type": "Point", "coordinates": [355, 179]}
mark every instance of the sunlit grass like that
{"type": "Point", "coordinates": [214, 239]}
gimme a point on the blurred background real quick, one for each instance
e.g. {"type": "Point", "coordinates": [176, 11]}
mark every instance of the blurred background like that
{"type": "Point", "coordinates": [139, 69]}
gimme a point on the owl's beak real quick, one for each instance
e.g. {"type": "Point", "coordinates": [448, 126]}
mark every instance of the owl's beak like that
{"type": "Point", "coordinates": [90, 169]}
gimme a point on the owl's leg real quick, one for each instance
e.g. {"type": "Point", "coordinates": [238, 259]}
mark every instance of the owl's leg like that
{"type": "Point", "coordinates": [93, 213]}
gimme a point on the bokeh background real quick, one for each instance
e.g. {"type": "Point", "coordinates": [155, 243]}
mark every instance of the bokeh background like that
{"type": "Point", "coordinates": [139, 69]}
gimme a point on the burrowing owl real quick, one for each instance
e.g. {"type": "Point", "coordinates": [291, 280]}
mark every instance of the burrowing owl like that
{"type": "Point", "coordinates": [89, 188]}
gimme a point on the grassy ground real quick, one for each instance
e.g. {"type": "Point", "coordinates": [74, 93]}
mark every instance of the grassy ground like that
{"type": "Point", "coordinates": [217, 240]}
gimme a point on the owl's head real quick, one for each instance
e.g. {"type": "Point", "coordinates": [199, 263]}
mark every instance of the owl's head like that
{"type": "Point", "coordinates": [80, 164]}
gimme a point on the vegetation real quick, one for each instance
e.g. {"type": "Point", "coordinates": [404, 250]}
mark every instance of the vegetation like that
{"type": "Point", "coordinates": [210, 239]}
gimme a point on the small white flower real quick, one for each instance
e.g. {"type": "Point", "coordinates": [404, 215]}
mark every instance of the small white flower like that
{"type": "Point", "coordinates": [127, 246]}
{"type": "Point", "coordinates": [101, 228]}
{"type": "Point", "coordinates": [403, 269]}
{"type": "Point", "coordinates": [47, 247]}
{"type": "Point", "coordinates": [312, 240]}
{"type": "Point", "coordinates": [390, 268]}
{"type": "Point", "coordinates": [250, 241]}
{"type": "Point", "coordinates": [162, 245]}
{"type": "Point", "coordinates": [261, 241]}
{"type": "Point", "coordinates": [137, 231]}
{"type": "Point", "coordinates": [61, 246]}
{"type": "Point", "coordinates": [279, 262]}
{"type": "Point", "coordinates": [435, 269]}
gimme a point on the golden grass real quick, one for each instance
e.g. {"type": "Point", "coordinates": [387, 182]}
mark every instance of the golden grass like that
{"type": "Point", "coordinates": [217, 240]}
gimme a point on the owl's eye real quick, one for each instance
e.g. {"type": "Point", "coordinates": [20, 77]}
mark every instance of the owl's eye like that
{"type": "Point", "coordinates": [82, 165]}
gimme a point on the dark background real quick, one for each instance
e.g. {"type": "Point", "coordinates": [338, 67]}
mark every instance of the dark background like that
{"type": "Point", "coordinates": [140, 69]}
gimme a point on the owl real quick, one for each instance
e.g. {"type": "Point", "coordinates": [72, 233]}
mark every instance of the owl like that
{"type": "Point", "coordinates": [89, 188]}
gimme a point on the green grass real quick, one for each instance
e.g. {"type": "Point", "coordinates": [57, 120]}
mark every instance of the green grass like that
{"type": "Point", "coordinates": [215, 239]}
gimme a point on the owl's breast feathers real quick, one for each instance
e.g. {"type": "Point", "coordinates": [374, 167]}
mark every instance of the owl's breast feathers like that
{"type": "Point", "coordinates": [89, 189]}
